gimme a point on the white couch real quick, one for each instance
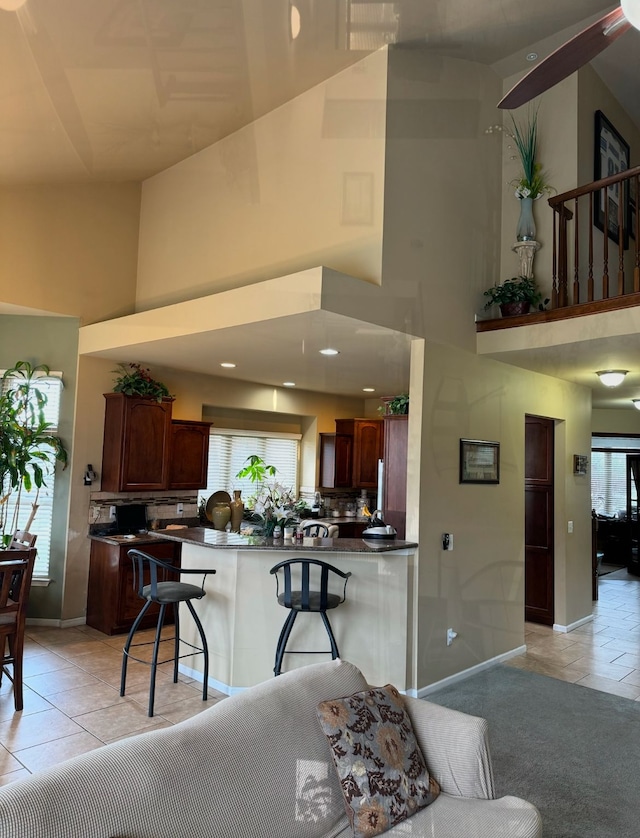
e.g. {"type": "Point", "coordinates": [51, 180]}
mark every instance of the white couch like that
{"type": "Point", "coordinates": [257, 765]}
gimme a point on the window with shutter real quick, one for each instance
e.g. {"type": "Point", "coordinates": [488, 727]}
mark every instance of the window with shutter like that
{"type": "Point", "coordinates": [228, 453]}
{"type": "Point", "coordinates": [51, 386]}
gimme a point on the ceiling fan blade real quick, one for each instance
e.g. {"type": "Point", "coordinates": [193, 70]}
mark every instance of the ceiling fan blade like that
{"type": "Point", "coordinates": [567, 59]}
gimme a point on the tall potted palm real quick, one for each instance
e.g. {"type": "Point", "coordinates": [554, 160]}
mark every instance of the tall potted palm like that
{"type": "Point", "coordinates": [28, 450]}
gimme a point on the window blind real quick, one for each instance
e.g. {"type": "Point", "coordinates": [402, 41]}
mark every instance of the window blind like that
{"type": "Point", "coordinates": [228, 453]}
{"type": "Point", "coordinates": [608, 481]}
{"type": "Point", "coordinates": [51, 386]}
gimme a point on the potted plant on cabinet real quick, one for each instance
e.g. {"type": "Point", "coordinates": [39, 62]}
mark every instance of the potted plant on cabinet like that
{"type": "Point", "coordinates": [28, 450]}
{"type": "Point", "coordinates": [135, 380]}
{"type": "Point", "coordinates": [514, 296]}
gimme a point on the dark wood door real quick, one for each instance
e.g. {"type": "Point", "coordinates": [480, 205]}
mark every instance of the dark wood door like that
{"type": "Point", "coordinates": [538, 562]}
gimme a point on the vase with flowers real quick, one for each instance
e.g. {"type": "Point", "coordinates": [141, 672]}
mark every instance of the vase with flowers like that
{"type": "Point", "coordinates": [274, 504]}
{"type": "Point", "coordinates": [532, 183]}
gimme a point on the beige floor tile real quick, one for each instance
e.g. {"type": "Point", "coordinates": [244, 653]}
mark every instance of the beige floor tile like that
{"type": "Point", "coordinates": [64, 679]}
{"type": "Point", "coordinates": [32, 703]}
{"type": "Point", "coordinates": [608, 686]}
{"type": "Point", "coordinates": [600, 668]}
{"type": "Point", "coordinates": [186, 708]}
{"type": "Point", "coordinates": [54, 636]}
{"type": "Point", "coordinates": [85, 699]}
{"type": "Point", "coordinates": [8, 762]}
{"type": "Point", "coordinates": [138, 675]}
{"type": "Point", "coordinates": [82, 648]}
{"type": "Point", "coordinates": [632, 678]}
{"type": "Point", "coordinates": [167, 694]}
{"type": "Point", "coordinates": [45, 662]}
{"type": "Point", "coordinates": [627, 659]}
{"type": "Point", "coordinates": [40, 727]}
{"type": "Point", "coordinates": [159, 723]}
{"type": "Point", "coordinates": [559, 657]}
{"type": "Point", "coordinates": [102, 658]}
{"type": "Point", "coordinates": [113, 722]}
{"type": "Point", "coordinates": [39, 757]}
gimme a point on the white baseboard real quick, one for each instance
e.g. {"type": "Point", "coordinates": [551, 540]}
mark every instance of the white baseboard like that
{"type": "Point", "coordinates": [572, 626]}
{"type": "Point", "coordinates": [217, 685]}
{"type": "Point", "coordinates": [466, 673]}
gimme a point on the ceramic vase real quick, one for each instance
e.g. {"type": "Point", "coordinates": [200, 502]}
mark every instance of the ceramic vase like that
{"type": "Point", "coordinates": [526, 229]}
{"type": "Point", "coordinates": [237, 510]}
{"type": "Point", "coordinates": [220, 515]}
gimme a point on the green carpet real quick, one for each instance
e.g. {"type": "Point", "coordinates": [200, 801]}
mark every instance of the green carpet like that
{"type": "Point", "coordinates": [573, 752]}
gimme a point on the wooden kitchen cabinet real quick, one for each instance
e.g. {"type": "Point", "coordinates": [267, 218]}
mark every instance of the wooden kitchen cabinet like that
{"type": "Point", "coordinates": [366, 440]}
{"type": "Point", "coordinates": [112, 603]}
{"type": "Point", "coordinates": [145, 450]}
{"type": "Point", "coordinates": [189, 453]}
{"type": "Point", "coordinates": [395, 472]}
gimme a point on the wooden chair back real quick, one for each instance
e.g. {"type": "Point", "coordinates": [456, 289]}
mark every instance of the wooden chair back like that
{"type": "Point", "coordinates": [16, 572]}
{"type": "Point", "coordinates": [22, 540]}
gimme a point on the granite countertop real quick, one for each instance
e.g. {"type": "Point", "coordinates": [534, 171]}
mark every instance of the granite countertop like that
{"type": "Point", "coordinates": [138, 538]}
{"type": "Point", "coordinates": [205, 537]}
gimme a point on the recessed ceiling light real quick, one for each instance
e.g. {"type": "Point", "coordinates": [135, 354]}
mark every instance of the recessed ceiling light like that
{"type": "Point", "coordinates": [288, 383]}
{"type": "Point", "coordinates": [368, 390]}
{"type": "Point", "coordinates": [227, 365]}
{"type": "Point", "coordinates": [329, 352]}
{"type": "Point", "coordinates": [532, 56]}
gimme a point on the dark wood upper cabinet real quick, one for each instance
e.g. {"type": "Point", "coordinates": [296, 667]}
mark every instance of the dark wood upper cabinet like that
{"type": "Point", "coordinates": [189, 454]}
{"type": "Point", "coordinates": [144, 450]}
{"type": "Point", "coordinates": [361, 440]}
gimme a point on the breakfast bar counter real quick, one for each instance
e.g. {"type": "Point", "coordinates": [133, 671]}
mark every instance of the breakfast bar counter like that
{"type": "Point", "coordinates": [242, 618]}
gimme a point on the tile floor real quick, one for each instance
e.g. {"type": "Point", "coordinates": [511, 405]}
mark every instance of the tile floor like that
{"type": "Point", "coordinates": [72, 699]}
{"type": "Point", "coordinates": [72, 677]}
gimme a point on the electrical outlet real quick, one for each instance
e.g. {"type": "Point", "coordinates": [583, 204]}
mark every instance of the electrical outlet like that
{"type": "Point", "coordinates": [447, 541]}
{"type": "Point", "coordinates": [569, 526]}
{"type": "Point", "coordinates": [180, 508]}
{"type": "Point", "coordinates": [451, 636]}
{"type": "Point", "coordinates": [112, 512]}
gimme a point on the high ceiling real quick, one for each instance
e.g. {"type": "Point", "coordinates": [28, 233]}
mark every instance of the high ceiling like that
{"type": "Point", "coordinates": [113, 90]}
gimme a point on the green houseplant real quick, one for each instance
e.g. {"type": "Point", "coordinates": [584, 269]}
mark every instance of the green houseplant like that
{"type": "Point", "coordinates": [28, 450]}
{"type": "Point", "coordinates": [514, 296]}
{"type": "Point", "coordinates": [274, 503]}
{"type": "Point", "coordinates": [397, 406]}
{"type": "Point", "coordinates": [135, 380]}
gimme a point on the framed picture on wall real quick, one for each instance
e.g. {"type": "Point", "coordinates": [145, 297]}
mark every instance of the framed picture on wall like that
{"type": "Point", "coordinates": [611, 155]}
{"type": "Point", "coordinates": [479, 461]}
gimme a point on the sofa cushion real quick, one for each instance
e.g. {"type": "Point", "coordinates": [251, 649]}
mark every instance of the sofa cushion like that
{"type": "Point", "coordinates": [382, 772]}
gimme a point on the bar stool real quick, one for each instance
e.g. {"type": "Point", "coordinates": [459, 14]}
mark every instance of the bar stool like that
{"type": "Point", "coordinates": [164, 593]}
{"type": "Point", "coordinates": [315, 530]}
{"type": "Point", "coordinates": [304, 598]}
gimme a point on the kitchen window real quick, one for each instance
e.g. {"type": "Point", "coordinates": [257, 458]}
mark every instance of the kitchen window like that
{"type": "Point", "coordinates": [51, 386]}
{"type": "Point", "coordinates": [228, 453]}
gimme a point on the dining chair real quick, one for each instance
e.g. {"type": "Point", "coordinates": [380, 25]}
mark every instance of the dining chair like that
{"type": "Point", "coordinates": [22, 540]}
{"type": "Point", "coordinates": [16, 571]}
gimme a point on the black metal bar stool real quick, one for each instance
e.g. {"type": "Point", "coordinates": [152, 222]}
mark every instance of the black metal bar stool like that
{"type": "Point", "coordinates": [306, 598]}
{"type": "Point", "coordinates": [164, 592]}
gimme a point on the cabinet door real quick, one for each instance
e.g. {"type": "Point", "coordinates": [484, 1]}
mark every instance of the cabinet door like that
{"type": "Point", "coordinates": [135, 454]}
{"type": "Point", "coordinates": [327, 476]}
{"type": "Point", "coordinates": [367, 450]}
{"type": "Point", "coordinates": [189, 454]}
{"type": "Point", "coordinates": [130, 603]}
{"type": "Point", "coordinates": [344, 461]}
{"type": "Point", "coordinates": [395, 472]}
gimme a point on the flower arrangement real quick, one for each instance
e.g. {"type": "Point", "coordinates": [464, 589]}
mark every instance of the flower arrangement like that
{"type": "Point", "coordinates": [532, 183]}
{"type": "Point", "coordinates": [135, 380]}
{"type": "Point", "coordinates": [274, 503]}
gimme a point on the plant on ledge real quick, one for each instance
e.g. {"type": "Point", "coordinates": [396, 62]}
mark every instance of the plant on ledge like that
{"type": "Point", "coordinates": [519, 291]}
{"type": "Point", "coordinates": [397, 406]}
{"type": "Point", "coordinates": [135, 380]}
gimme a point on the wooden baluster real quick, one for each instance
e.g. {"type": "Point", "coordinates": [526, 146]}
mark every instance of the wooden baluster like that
{"type": "Point", "coordinates": [576, 257]}
{"type": "Point", "coordinates": [554, 261]}
{"type": "Point", "coordinates": [605, 248]}
{"type": "Point", "coordinates": [622, 189]}
{"type": "Point", "coordinates": [636, 235]}
{"type": "Point", "coordinates": [563, 257]}
{"type": "Point", "coordinates": [590, 289]}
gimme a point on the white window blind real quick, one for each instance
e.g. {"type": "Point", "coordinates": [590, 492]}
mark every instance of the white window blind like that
{"type": "Point", "coordinates": [608, 481]}
{"type": "Point", "coordinates": [228, 453]}
{"type": "Point", "coordinates": [51, 386]}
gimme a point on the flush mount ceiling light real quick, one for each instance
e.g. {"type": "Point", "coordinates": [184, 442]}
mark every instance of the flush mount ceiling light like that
{"type": "Point", "coordinates": [329, 351]}
{"type": "Point", "coordinates": [631, 9]}
{"type": "Point", "coordinates": [295, 23]}
{"type": "Point", "coordinates": [636, 403]}
{"type": "Point", "coordinates": [227, 365]}
{"type": "Point", "coordinates": [11, 5]}
{"type": "Point", "coordinates": [611, 378]}
{"type": "Point", "coordinates": [288, 383]}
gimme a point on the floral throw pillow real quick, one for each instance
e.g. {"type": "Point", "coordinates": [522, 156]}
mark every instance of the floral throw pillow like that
{"type": "Point", "coordinates": [382, 772]}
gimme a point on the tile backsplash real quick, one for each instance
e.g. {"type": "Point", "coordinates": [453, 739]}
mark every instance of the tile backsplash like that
{"type": "Point", "coordinates": [162, 509]}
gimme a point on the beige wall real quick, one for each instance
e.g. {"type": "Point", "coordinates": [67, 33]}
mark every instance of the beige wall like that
{"type": "Point", "coordinates": [478, 588]}
{"type": "Point", "coordinates": [70, 249]}
{"type": "Point", "coordinates": [299, 187]}
{"type": "Point", "coordinates": [616, 421]}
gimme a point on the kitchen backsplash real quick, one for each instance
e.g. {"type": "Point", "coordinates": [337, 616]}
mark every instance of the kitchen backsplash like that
{"type": "Point", "coordinates": [162, 509]}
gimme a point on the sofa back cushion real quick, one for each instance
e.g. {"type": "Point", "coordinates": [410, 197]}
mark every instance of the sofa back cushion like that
{"type": "Point", "coordinates": [256, 764]}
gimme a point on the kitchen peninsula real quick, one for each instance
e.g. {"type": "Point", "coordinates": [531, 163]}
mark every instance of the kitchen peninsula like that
{"type": "Point", "coordinates": [242, 619]}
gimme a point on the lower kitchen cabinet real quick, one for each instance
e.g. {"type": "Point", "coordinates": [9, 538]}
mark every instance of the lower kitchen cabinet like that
{"type": "Point", "coordinates": [112, 603]}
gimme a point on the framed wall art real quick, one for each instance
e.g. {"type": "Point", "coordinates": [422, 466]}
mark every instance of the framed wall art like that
{"type": "Point", "coordinates": [611, 155]}
{"type": "Point", "coordinates": [580, 464]}
{"type": "Point", "coordinates": [479, 461]}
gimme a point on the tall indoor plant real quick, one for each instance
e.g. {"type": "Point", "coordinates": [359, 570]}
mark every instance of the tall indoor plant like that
{"type": "Point", "coordinates": [28, 450]}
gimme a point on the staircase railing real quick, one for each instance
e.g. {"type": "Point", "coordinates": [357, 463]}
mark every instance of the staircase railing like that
{"type": "Point", "coordinates": [588, 267]}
